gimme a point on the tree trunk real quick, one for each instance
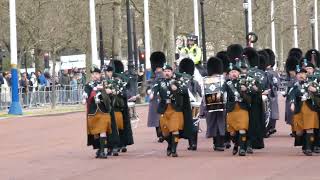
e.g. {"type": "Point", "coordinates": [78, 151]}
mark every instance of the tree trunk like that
{"type": "Point", "coordinates": [170, 44]}
{"type": "Point", "coordinates": [117, 23]}
{"type": "Point", "coordinates": [53, 95]}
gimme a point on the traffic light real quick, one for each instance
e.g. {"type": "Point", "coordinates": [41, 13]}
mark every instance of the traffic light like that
{"type": "Point", "coordinates": [142, 57]}
{"type": "Point", "coordinates": [46, 61]}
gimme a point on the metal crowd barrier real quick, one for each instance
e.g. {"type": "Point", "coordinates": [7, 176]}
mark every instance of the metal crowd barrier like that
{"type": "Point", "coordinates": [42, 96]}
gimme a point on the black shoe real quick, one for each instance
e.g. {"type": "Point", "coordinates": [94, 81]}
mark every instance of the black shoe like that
{"type": "Point", "coordinates": [249, 150]}
{"type": "Point", "coordinates": [102, 155]}
{"type": "Point", "coordinates": [242, 152]}
{"type": "Point", "coordinates": [97, 153]}
{"type": "Point", "coordinates": [174, 154]}
{"type": "Point", "coordinates": [109, 152]}
{"type": "Point", "coordinates": [124, 149]}
{"type": "Point", "coordinates": [272, 131]}
{"type": "Point", "coordinates": [115, 152]}
{"type": "Point", "coordinates": [309, 138]}
{"type": "Point", "coordinates": [160, 140]}
{"type": "Point", "coordinates": [227, 145]}
{"type": "Point", "coordinates": [307, 152]}
{"type": "Point", "coordinates": [169, 152]}
{"type": "Point", "coordinates": [235, 150]}
{"type": "Point", "coordinates": [316, 149]}
{"type": "Point", "coordinates": [218, 148]}
{"type": "Point", "coordinates": [192, 148]}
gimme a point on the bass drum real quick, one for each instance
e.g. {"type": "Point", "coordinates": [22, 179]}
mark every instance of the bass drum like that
{"type": "Point", "coordinates": [214, 97]}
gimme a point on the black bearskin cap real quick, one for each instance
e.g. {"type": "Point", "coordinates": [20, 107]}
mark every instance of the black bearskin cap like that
{"type": "Point", "coordinates": [252, 56]}
{"type": "Point", "coordinates": [291, 63]}
{"type": "Point", "coordinates": [272, 57]}
{"type": "Point", "coordinates": [316, 55]}
{"type": "Point", "coordinates": [214, 66]}
{"type": "Point", "coordinates": [157, 60]}
{"type": "Point", "coordinates": [234, 51]}
{"type": "Point", "coordinates": [186, 66]}
{"type": "Point", "coordinates": [296, 52]}
{"type": "Point", "coordinates": [118, 66]}
{"type": "Point", "coordinates": [225, 60]}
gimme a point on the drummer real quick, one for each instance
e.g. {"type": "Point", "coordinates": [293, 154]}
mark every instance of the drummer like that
{"type": "Point", "coordinates": [216, 124]}
{"type": "Point", "coordinates": [187, 66]}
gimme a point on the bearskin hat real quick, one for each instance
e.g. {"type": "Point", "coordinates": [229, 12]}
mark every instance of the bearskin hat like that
{"type": "Point", "coordinates": [157, 60]}
{"type": "Point", "coordinates": [234, 51]}
{"type": "Point", "coordinates": [262, 61]}
{"type": "Point", "coordinates": [272, 57]}
{"type": "Point", "coordinates": [296, 52]}
{"type": "Point", "coordinates": [186, 66]}
{"type": "Point", "coordinates": [225, 60]}
{"type": "Point", "coordinates": [316, 54]}
{"type": "Point", "coordinates": [214, 66]}
{"type": "Point", "coordinates": [118, 66]}
{"type": "Point", "coordinates": [291, 63]}
{"type": "Point", "coordinates": [252, 56]}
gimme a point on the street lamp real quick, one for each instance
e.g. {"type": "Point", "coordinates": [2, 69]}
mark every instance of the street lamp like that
{"type": "Point", "coordinates": [246, 7]}
{"type": "Point", "coordinates": [312, 23]}
{"type": "Point", "coordinates": [204, 48]}
{"type": "Point", "coordinates": [129, 33]}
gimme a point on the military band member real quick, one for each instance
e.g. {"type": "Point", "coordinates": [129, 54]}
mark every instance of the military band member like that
{"type": "Point", "coordinates": [257, 130]}
{"type": "Point", "coordinates": [175, 110]}
{"type": "Point", "coordinates": [120, 106]}
{"type": "Point", "coordinates": [237, 107]}
{"type": "Point", "coordinates": [312, 59]}
{"type": "Point", "coordinates": [273, 95]}
{"type": "Point", "coordinates": [225, 61]}
{"type": "Point", "coordinates": [305, 119]}
{"type": "Point", "coordinates": [157, 60]}
{"type": "Point", "coordinates": [186, 69]}
{"type": "Point", "coordinates": [290, 67]}
{"type": "Point", "coordinates": [100, 119]}
{"type": "Point", "coordinates": [216, 120]}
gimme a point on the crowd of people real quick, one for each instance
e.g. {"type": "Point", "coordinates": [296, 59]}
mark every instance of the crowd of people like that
{"type": "Point", "coordinates": [35, 88]}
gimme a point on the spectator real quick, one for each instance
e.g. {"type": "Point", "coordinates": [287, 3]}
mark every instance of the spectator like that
{"type": "Point", "coordinates": [65, 85]}
{"type": "Point", "coordinates": [34, 94]}
{"type": "Point", "coordinates": [42, 82]}
{"type": "Point", "coordinates": [24, 86]}
{"type": "Point", "coordinates": [5, 90]}
{"type": "Point", "coordinates": [74, 89]}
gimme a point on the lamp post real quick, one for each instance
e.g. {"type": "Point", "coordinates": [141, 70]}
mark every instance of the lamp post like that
{"type": "Point", "coordinates": [204, 48]}
{"type": "Point", "coordinates": [101, 46]}
{"type": "Point", "coordinates": [312, 23]}
{"type": "Point", "coordinates": [129, 33]}
{"type": "Point", "coordinates": [245, 7]}
{"type": "Point", "coordinates": [15, 107]}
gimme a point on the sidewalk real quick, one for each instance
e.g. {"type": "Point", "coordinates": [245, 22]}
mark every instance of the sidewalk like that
{"type": "Point", "coordinates": [45, 111]}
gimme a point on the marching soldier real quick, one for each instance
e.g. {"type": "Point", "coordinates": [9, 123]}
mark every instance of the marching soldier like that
{"type": "Point", "coordinates": [237, 107]}
{"type": "Point", "coordinates": [120, 106]}
{"type": "Point", "coordinates": [312, 62]}
{"type": "Point", "coordinates": [186, 68]}
{"type": "Point", "coordinates": [290, 66]}
{"type": "Point", "coordinates": [100, 117]}
{"type": "Point", "coordinates": [273, 95]}
{"type": "Point", "coordinates": [216, 122]}
{"type": "Point", "coordinates": [305, 118]}
{"type": "Point", "coordinates": [157, 60]}
{"type": "Point", "coordinates": [225, 61]}
{"type": "Point", "coordinates": [257, 130]}
{"type": "Point", "coordinates": [175, 110]}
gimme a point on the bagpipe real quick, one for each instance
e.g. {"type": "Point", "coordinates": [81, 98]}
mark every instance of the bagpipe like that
{"type": "Point", "coordinates": [313, 81]}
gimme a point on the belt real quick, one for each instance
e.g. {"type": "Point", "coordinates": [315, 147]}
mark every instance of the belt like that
{"type": "Point", "coordinates": [168, 101]}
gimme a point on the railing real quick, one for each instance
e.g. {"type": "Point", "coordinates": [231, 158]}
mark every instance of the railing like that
{"type": "Point", "coordinates": [32, 97]}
